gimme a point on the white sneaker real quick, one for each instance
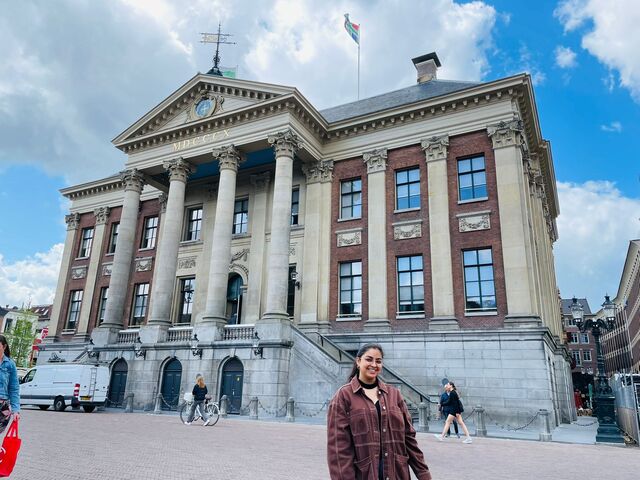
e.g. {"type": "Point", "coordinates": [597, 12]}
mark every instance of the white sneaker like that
{"type": "Point", "coordinates": [467, 440]}
{"type": "Point", "coordinates": [439, 437]}
{"type": "Point", "coordinates": [187, 423]}
{"type": "Point", "coordinates": [206, 422]}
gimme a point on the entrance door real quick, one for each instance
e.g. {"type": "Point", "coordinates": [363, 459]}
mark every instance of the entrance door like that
{"type": "Point", "coordinates": [232, 380]}
{"type": "Point", "coordinates": [118, 383]}
{"type": "Point", "coordinates": [171, 379]}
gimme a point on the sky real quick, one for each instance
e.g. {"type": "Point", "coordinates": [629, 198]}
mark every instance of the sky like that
{"type": "Point", "coordinates": [76, 73]}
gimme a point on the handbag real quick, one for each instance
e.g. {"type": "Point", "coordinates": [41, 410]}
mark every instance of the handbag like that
{"type": "Point", "coordinates": [460, 407]}
{"type": "Point", "coordinates": [9, 450]}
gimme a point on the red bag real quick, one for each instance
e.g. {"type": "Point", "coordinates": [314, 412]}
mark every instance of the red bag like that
{"type": "Point", "coordinates": [9, 450]}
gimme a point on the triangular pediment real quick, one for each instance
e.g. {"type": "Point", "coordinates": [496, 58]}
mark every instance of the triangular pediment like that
{"type": "Point", "coordinates": [203, 97]}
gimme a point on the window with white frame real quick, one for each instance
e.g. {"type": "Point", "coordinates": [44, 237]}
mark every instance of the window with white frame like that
{"type": "Point", "coordinates": [351, 288]}
{"type": "Point", "coordinates": [140, 303]}
{"type": "Point", "coordinates": [577, 357]}
{"type": "Point", "coordinates": [85, 242]}
{"type": "Point", "coordinates": [187, 290]}
{"type": "Point", "coordinates": [113, 238]}
{"type": "Point", "coordinates": [410, 284]}
{"type": "Point", "coordinates": [586, 355]}
{"type": "Point", "coordinates": [574, 338]}
{"type": "Point", "coordinates": [479, 287]}
{"type": "Point", "coordinates": [150, 233]}
{"type": "Point", "coordinates": [240, 216]}
{"type": "Point", "coordinates": [584, 338]}
{"type": "Point", "coordinates": [350, 199]}
{"type": "Point", "coordinates": [472, 179]}
{"type": "Point", "coordinates": [194, 224]}
{"type": "Point", "coordinates": [75, 302]}
{"type": "Point", "coordinates": [104, 293]}
{"type": "Point", "coordinates": [295, 206]}
{"type": "Point", "coordinates": [408, 188]}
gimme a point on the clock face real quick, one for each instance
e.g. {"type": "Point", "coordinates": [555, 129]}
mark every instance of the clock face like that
{"type": "Point", "coordinates": [203, 107]}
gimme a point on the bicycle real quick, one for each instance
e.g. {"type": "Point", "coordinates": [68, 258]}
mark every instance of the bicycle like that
{"type": "Point", "coordinates": [212, 408]}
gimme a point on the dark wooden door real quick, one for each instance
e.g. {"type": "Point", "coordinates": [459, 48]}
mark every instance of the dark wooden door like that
{"type": "Point", "coordinates": [118, 384]}
{"type": "Point", "coordinates": [232, 380]}
{"type": "Point", "coordinates": [171, 380]}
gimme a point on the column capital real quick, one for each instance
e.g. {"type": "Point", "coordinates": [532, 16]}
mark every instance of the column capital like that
{"type": "Point", "coordinates": [132, 179]}
{"type": "Point", "coordinates": [163, 198]}
{"type": "Point", "coordinates": [320, 171]}
{"type": "Point", "coordinates": [261, 181]}
{"type": "Point", "coordinates": [73, 221]}
{"type": "Point", "coordinates": [228, 157]}
{"type": "Point", "coordinates": [102, 215]}
{"type": "Point", "coordinates": [506, 134]}
{"type": "Point", "coordinates": [285, 143]}
{"type": "Point", "coordinates": [376, 160]}
{"type": "Point", "coordinates": [435, 148]}
{"type": "Point", "coordinates": [179, 169]}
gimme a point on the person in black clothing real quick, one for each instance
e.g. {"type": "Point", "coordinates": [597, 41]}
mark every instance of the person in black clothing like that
{"type": "Point", "coordinates": [199, 395]}
{"type": "Point", "coordinates": [445, 411]}
{"type": "Point", "coordinates": [455, 406]}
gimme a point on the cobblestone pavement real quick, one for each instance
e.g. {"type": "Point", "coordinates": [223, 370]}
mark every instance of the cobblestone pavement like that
{"type": "Point", "coordinates": [108, 445]}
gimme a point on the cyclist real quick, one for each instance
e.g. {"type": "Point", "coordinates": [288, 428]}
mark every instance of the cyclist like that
{"type": "Point", "coordinates": [199, 396]}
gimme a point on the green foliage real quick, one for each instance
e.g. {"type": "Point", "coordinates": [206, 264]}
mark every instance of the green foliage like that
{"type": "Point", "coordinates": [21, 339]}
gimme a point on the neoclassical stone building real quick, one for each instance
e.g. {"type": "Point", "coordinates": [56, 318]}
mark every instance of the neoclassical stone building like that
{"type": "Point", "coordinates": [259, 241]}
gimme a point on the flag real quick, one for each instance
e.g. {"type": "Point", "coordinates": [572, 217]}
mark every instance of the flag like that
{"type": "Point", "coordinates": [229, 72]}
{"type": "Point", "coordinates": [352, 29]}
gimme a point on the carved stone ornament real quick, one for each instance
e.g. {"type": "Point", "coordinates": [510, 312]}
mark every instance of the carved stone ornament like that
{"type": "Point", "coordinates": [236, 267]}
{"type": "Point", "coordinates": [407, 230]}
{"type": "Point", "coordinates": [475, 222]}
{"type": "Point", "coordinates": [163, 198]}
{"type": "Point", "coordinates": [73, 221]}
{"type": "Point", "coordinates": [78, 272]}
{"type": "Point", "coordinates": [186, 263]}
{"type": "Point", "coordinates": [292, 250]}
{"type": "Point", "coordinates": [376, 160]}
{"type": "Point", "coordinates": [178, 169]}
{"type": "Point", "coordinates": [320, 171]}
{"type": "Point", "coordinates": [346, 238]}
{"type": "Point", "coordinates": [205, 105]}
{"type": "Point", "coordinates": [228, 157]}
{"type": "Point", "coordinates": [241, 255]}
{"type": "Point", "coordinates": [261, 181]}
{"type": "Point", "coordinates": [435, 148]}
{"type": "Point", "coordinates": [144, 264]}
{"type": "Point", "coordinates": [132, 180]}
{"type": "Point", "coordinates": [285, 143]}
{"type": "Point", "coordinates": [102, 215]}
{"type": "Point", "coordinates": [106, 269]}
{"type": "Point", "coordinates": [506, 134]}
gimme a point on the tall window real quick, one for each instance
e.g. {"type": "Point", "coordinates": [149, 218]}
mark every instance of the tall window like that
{"type": "Point", "coordinates": [408, 189]}
{"type": "Point", "coordinates": [240, 216]}
{"type": "Point", "coordinates": [85, 243]}
{"type": "Point", "coordinates": [291, 291]}
{"type": "Point", "coordinates": [584, 337]}
{"type": "Point", "coordinates": [480, 294]}
{"type": "Point", "coordinates": [574, 337]}
{"type": "Point", "coordinates": [410, 284]}
{"type": "Point", "coordinates": [586, 355]}
{"type": "Point", "coordinates": [351, 199]}
{"type": "Point", "coordinates": [104, 292]}
{"type": "Point", "coordinates": [577, 357]}
{"type": "Point", "coordinates": [351, 288]}
{"type": "Point", "coordinates": [295, 206]}
{"type": "Point", "coordinates": [150, 232]}
{"type": "Point", "coordinates": [187, 289]}
{"type": "Point", "coordinates": [140, 303]}
{"type": "Point", "coordinates": [113, 238]}
{"type": "Point", "coordinates": [472, 178]}
{"type": "Point", "coordinates": [8, 324]}
{"type": "Point", "coordinates": [74, 309]}
{"type": "Point", "coordinates": [194, 224]}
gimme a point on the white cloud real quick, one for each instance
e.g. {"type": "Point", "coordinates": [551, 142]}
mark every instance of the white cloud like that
{"type": "Point", "coordinates": [595, 226]}
{"type": "Point", "coordinates": [527, 63]}
{"type": "Point", "coordinates": [612, 127]}
{"type": "Point", "coordinates": [565, 57]}
{"type": "Point", "coordinates": [611, 35]}
{"type": "Point", "coordinates": [30, 280]}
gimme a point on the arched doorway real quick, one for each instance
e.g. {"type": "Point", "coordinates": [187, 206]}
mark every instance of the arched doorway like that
{"type": "Point", "coordinates": [234, 299]}
{"type": "Point", "coordinates": [171, 379]}
{"type": "Point", "coordinates": [232, 380]}
{"type": "Point", "coordinates": [118, 383]}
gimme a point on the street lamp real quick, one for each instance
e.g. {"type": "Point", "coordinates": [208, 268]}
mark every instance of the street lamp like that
{"type": "Point", "coordinates": [605, 400]}
{"type": "Point", "coordinates": [195, 350]}
{"type": "Point", "coordinates": [138, 350]}
{"type": "Point", "coordinates": [91, 352]}
{"type": "Point", "coordinates": [257, 349]}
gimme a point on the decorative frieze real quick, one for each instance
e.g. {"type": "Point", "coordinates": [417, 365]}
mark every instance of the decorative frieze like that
{"type": "Point", "coordinates": [186, 263]}
{"type": "Point", "coordinates": [347, 238]}
{"type": "Point", "coordinates": [132, 180]}
{"type": "Point", "coordinates": [407, 229]}
{"type": "Point", "coordinates": [506, 134]}
{"type": "Point", "coordinates": [102, 215]}
{"type": "Point", "coordinates": [292, 250]}
{"type": "Point", "coordinates": [376, 160]}
{"type": "Point", "coordinates": [261, 181]}
{"type": "Point", "coordinates": [78, 272]}
{"type": "Point", "coordinates": [471, 222]}
{"type": "Point", "coordinates": [143, 264]}
{"type": "Point", "coordinates": [178, 169]}
{"type": "Point", "coordinates": [72, 220]}
{"type": "Point", "coordinates": [435, 148]}
{"type": "Point", "coordinates": [106, 269]}
{"type": "Point", "coordinates": [285, 143]}
{"type": "Point", "coordinates": [241, 255]}
{"type": "Point", "coordinates": [320, 171]}
{"type": "Point", "coordinates": [228, 157]}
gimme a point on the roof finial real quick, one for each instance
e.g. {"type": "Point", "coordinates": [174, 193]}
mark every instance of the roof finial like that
{"type": "Point", "coordinates": [217, 38]}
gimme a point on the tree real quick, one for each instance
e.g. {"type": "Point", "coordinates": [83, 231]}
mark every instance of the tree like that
{"type": "Point", "coordinates": [21, 339]}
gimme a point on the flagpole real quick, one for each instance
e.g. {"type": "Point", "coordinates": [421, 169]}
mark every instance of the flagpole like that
{"type": "Point", "coordinates": [360, 36]}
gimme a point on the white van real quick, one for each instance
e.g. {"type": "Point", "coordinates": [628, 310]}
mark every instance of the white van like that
{"type": "Point", "coordinates": [61, 385]}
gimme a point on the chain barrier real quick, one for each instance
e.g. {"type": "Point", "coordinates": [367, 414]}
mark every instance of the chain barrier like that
{"type": "Point", "coordinates": [506, 426]}
{"type": "Point", "coordinates": [585, 424]}
{"type": "Point", "coordinates": [464, 419]}
{"type": "Point", "coordinates": [275, 413]}
{"type": "Point", "coordinates": [315, 413]}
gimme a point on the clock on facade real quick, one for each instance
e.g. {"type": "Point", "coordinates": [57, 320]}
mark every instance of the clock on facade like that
{"type": "Point", "coordinates": [204, 107]}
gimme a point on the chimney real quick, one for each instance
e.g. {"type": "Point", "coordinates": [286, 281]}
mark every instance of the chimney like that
{"type": "Point", "coordinates": [426, 65]}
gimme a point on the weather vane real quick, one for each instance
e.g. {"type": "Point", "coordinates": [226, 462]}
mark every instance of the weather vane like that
{"type": "Point", "coordinates": [218, 39]}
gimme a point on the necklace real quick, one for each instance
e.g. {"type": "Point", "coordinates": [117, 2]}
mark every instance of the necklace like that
{"type": "Point", "coordinates": [368, 386]}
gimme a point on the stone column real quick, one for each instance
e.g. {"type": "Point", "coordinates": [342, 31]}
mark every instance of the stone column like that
{"type": "Point", "coordinates": [119, 284]}
{"type": "Point", "coordinates": [326, 241]}
{"type": "Point", "coordinates": [253, 301]}
{"type": "Point", "coordinates": [102, 215]}
{"type": "Point", "coordinates": [167, 253]}
{"type": "Point", "coordinates": [213, 321]}
{"type": "Point", "coordinates": [57, 314]}
{"type": "Point", "coordinates": [507, 141]}
{"type": "Point", "coordinates": [317, 173]}
{"type": "Point", "coordinates": [275, 321]}
{"type": "Point", "coordinates": [435, 149]}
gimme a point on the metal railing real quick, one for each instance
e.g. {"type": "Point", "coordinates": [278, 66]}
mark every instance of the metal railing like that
{"type": "Point", "coordinates": [179, 334]}
{"type": "Point", "coordinates": [128, 336]}
{"type": "Point", "coordinates": [626, 388]}
{"type": "Point", "coordinates": [238, 332]}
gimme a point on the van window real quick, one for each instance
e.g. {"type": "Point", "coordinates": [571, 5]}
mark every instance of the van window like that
{"type": "Point", "coordinates": [29, 376]}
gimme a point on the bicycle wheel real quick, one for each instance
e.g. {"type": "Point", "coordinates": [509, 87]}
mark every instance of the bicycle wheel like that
{"type": "Point", "coordinates": [184, 412]}
{"type": "Point", "coordinates": [214, 413]}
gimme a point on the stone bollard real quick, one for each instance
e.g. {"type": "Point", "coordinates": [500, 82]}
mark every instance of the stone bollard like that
{"type": "Point", "coordinates": [158, 408]}
{"type": "Point", "coordinates": [128, 403]}
{"type": "Point", "coordinates": [545, 433]}
{"type": "Point", "coordinates": [481, 426]}
{"type": "Point", "coordinates": [291, 405]}
{"type": "Point", "coordinates": [224, 406]}
{"type": "Point", "coordinates": [253, 408]}
{"type": "Point", "coordinates": [423, 417]}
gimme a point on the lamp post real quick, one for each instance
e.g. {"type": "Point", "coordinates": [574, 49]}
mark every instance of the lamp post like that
{"type": "Point", "coordinates": [608, 431]}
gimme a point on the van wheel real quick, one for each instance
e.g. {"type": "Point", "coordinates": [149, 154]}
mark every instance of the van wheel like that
{"type": "Point", "coordinates": [59, 405]}
{"type": "Point", "coordinates": [43, 407]}
{"type": "Point", "coordinates": [89, 408]}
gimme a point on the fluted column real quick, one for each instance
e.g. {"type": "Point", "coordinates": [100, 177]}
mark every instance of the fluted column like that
{"type": "Point", "coordinates": [119, 283]}
{"type": "Point", "coordinates": [102, 215]}
{"type": "Point", "coordinates": [214, 318]}
{"type": "Point", "coordinates": [166, 261]}
{"type": "Point", "coordinates": [435, 150]}
{"type": "Point", "coordinates": [57, 314]}
{"type": "Point", "coordinates": [376, 162]}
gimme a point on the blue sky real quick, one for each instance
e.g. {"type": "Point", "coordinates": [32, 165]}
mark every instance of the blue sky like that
{"type": "Point", "coordinates": [102, 65]}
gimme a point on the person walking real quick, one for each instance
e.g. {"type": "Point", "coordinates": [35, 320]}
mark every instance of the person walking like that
{"type": "Point", "coordinates": [9, 386]}
{"type": "Point", "coordinates": [200, 393]}
{"type": "Point", "coordinates": [445, 410]}
{"type": "Point", "coordinates": [369, 429]}
{"type": "Point", "coordinates": [455, 410]}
